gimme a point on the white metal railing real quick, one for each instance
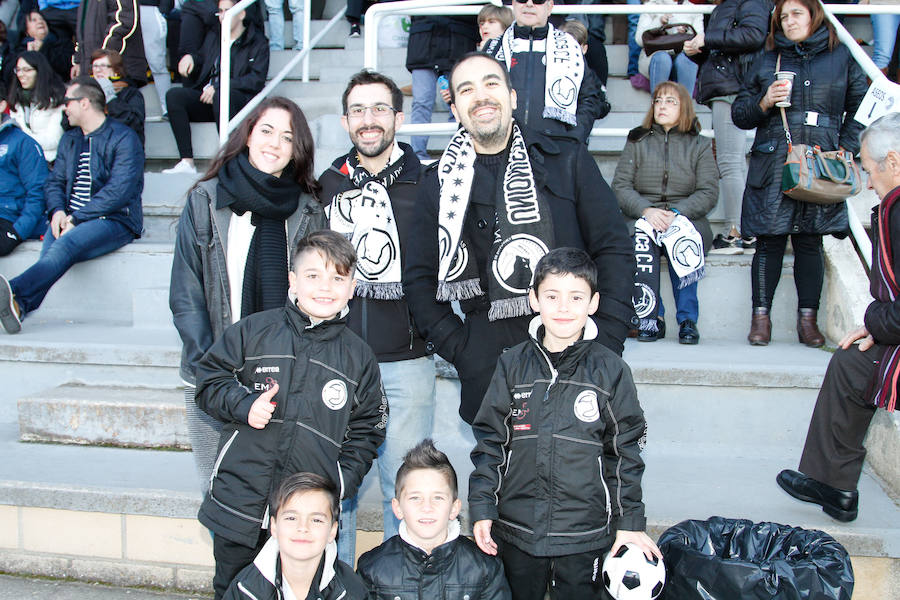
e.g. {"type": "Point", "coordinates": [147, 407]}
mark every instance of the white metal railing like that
{"type": "Point", "coordinates": [227, 125]}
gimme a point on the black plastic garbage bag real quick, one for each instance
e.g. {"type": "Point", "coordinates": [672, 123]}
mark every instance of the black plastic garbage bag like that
{"type": "Point", "coordinates": [736, 559]}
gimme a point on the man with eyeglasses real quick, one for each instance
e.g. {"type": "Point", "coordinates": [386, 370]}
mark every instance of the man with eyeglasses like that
{"type": "Point", "coordinates": [371, 198]}
{"type": "Point", "coordinates": [557, 93]}
{"type": "Point", "coordinates": [93, 198]}
{"type": "Point", "coordinates": [501, 197]}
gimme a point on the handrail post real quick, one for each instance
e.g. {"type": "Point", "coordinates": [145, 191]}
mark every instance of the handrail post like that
{"type": "Point", "coordinates": [307, 17]}
{"type": "Point", "coordinates": [225, 73]}
{"type": "Point", "coordinates": [858, 54]}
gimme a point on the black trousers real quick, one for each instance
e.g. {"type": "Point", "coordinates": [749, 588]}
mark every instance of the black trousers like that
{"type": "Point", "coordinates": [809, 268]}
{"type": "Point", "coordinates": [570, 577]}
{"type": "Point", "coordinates": [356, 8]}
{"type": "Point", "coordinates": [184, 108]}
{"type": "Point", "coordinates": [61, 22]}
{"type": "Point", "coordinates": [834, 451]}
{"type": "Point", "coordinates": [231, 558]}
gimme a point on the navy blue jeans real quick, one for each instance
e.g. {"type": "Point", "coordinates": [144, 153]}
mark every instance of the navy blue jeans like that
{"type": "Point", "coordinates": [686, 304]}
{"type": "Point", "coordinates": [86, 241]}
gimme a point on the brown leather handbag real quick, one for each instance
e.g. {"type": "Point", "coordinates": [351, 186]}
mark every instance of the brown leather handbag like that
{"type": "Point", "coordinates": [667, 37]}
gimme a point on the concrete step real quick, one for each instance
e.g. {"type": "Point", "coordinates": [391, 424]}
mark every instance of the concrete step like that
{"type": "Point", "coordinates": [101, 415]}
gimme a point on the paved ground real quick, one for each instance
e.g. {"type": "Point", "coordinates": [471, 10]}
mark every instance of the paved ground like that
{"type": "Point", "coordinates": [21, 588]}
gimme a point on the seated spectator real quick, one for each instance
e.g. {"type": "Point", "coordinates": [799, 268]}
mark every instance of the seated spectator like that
{"type": "Point", "coordinates": [61, 16]}
{"type": "Point", "coordinates": [124, 102]}
{"type": "Point", "coordinates": [23, 171]}
{"type": "Point", "coordinates": [493, 21]}
{"type": "Point", "coordinates": [6, 53]}
{"type": "Point", "coordinates": [38, 38]}
{"type": "Point", "coordinates": [93, 196]}
{"type": "Point", "coordinates": [154, 29]}
{"type": "Point", "coordinates": [661, 66]}
{"type": "Point", "coordinates": [35, 98]}
{"type": "Point", "coordinates": [578, 31]}
{"type": "Point", "coordinates": [666, 172]}
{"type": "Point", "coordinates": [198, 100]}
{"type": "Point", "coordinates": [553, 95]}
{"type": "Point", "coordinates": [110, 25]}
{"type": "Point", "coordinates": [198, 18]}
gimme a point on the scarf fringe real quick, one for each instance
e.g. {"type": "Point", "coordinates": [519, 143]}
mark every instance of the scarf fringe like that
{"type": "Point", "coordinates": [651, 325]}
{"type": "Point", "coordinates": [692, 277]}
{"type": "Point", "coordinates": [508, 308]}
{"type": "Point", "coordinates": [552, 112]}
{"type": "Point", "coordinates": [448, 291]}
{"type": "Point", "coordinates": [379, 291]}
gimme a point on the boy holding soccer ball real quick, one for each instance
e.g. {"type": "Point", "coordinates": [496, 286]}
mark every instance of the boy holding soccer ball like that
{"type": "Point", "coordinates": [557, 479]}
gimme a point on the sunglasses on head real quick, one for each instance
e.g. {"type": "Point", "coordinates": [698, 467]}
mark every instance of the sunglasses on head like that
{"type": "Point", "coordinates": [508, 2]}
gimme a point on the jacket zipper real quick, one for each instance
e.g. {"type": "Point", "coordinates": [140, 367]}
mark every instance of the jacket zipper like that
{"type": "Point", "coordinates": [529, 74]}
{"type": "Point", "coordinates": [219, 458]}
{"type": "Point", "coordinates": [606, 490]}
{"type": "Point", "coordinates": [245, 591]}
{"type": "Point", "coordinates": [665, 181]}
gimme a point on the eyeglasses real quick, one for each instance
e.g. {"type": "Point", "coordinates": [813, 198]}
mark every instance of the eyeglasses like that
{"type": "Point", "coordinates": [378, 110]}
{"type": "Point", "coordinates": [67, 99]}
{"type": "Point", "coordinates": [24, 70]}
{"type": "Point", "coordinates": [666, 100]}
{"type": "Point", "coordinates": [537, 2]}
{"type": "Point", "coordinates": [97, 66]}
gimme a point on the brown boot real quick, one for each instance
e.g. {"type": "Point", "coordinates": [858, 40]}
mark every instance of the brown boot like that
{"type": "Point", "coordinates": [760, 327]}
{"type": "Point", "coordinates": [808, 330]}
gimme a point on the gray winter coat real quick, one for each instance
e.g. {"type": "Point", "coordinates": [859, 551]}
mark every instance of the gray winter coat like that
{"type": "Point", "coordinates": [827, 84]}
{"type": "Point", "coordinates": [199, 292]}
{"type": "Point", "coordinates": [674, 170]}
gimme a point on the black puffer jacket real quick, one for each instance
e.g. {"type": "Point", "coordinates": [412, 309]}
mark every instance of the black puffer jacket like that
{"type": "Point", "coordinates": [827, 82]}
{"type": "Point", "coordinates": [735, 35]}
{"type": "Point", "coordinates": [456, 569]}
{"type": "Point", "coordinates": [558, 449]}
{"type": "Point", "coordinates": [262, 579]}
{"type": "Point", "coordinates": [438, 42]}
{"type": "Point", "coordinates": [249, 61]}
{"type": "Point", "coordinates": [529, 76]}
{"type": "Point", "coordinates": [329, 418]}
{"type": "Point", "coordinates": [128, 108]}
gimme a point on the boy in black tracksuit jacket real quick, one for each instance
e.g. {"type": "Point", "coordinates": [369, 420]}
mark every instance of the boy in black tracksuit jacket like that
{"type": "Point", "coordinates": [557, 461]}
{"type": "Point", "coordinates": [296, 391]}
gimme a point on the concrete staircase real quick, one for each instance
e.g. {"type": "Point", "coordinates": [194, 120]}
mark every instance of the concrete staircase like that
{"type": "Point", "coordinates": [93, 484]}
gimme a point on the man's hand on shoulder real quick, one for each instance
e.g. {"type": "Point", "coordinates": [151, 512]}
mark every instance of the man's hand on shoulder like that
{"type": "Point", "coordinates": [262, 409]}
{"type": "Point", "coordinates": [858, 334]}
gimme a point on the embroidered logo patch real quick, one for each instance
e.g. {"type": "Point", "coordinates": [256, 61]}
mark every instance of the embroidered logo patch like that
{"type": "Point", "coordinates": [586, 408]}
{"type": "Point", "coordinates": [334, 394]}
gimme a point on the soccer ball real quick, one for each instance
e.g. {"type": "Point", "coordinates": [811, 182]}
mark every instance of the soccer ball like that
{"type": "Point", "coordinates": [628, 575]}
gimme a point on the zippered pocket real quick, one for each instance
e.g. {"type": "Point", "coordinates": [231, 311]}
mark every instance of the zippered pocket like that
{"type": "Point", "coordinates": [219, 458]}
{"type": "Point", "coordinates": [605, 490]}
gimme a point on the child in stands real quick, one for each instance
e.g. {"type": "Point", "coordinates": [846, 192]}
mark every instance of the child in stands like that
{"type": "Point", "coordinates": [300, 559]}
{"type": "Point", "coordinates": [429, 557]}
{"type": "Point", "coordinates": [557, 477]}
{"type": "Point", "coordinates": [296, 391]}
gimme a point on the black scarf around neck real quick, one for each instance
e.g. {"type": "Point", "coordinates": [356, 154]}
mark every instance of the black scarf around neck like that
{"type": "Point", "coordinates": [271, 200]}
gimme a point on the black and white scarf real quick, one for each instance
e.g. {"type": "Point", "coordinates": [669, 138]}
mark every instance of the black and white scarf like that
{"type": "Point", "coordinates": [524, 229]}
{"type": "Point", "coordinates": [684, 247]}
{"type": "Point", "coordinates": [565, 71]}
{"type": "Point", "coordinates": [365, 216]}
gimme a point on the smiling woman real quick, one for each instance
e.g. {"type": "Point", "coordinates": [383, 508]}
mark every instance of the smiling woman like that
{"type": "Point", "coordinates": [253, 205]}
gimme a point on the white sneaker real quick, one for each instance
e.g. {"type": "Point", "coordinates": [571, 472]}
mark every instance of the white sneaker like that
{"type": "Point", "coordinates": [183, 166]}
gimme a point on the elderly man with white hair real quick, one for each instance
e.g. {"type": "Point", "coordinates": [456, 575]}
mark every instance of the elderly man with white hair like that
{"type": "Point", "coordinates": [861, 379]}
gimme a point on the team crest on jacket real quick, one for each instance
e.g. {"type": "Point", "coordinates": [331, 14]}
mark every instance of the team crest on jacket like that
{"type": "Point", "coordinates": [515, 261]}
{"type": "Point", "coordinates": [586, 407]}
{"type": "Point", "coordinates": [334, 394]}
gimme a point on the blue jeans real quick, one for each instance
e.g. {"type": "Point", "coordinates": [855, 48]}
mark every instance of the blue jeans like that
{"type": "Point", "coordinates": [88, 240]}
{"type": "Point", "coordinates": [686, 304]}
{"type": "Point", "coordinates": [661, 64]}
{"type": "Point", "coordinates": [276, 23]}
{"type": "Point", "coordinates": [424, 90]}
{"type": "Point", "coordinates": [409, 387]}
{"type": "Point", "coordinates": [884, 28]}
{"type": "Point", "coordinates": [346, 541]}
{"type": "Point", "coordinates": [634, 51]}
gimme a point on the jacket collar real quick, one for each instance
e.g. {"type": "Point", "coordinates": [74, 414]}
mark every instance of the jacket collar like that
{"type": "Point", "coordinates": [439, 552]}
{"type": "Point", "coordinates": [538, 33]}
{"type": "Point", "coordinates": [409, 174]}
{"type": "Point", "coordinates": [302, 323]}
{"type": "Point", "coordinates": [570, 356]}
{"type": "Point", "coordinates": [535, 329]}
{"type": "Point", "coordinates": [815, 43]}
{"type": "Point", "coordinates": [268, 564]}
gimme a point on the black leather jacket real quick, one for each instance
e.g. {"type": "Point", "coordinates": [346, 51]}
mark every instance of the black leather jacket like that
{"type": "Point", "coordinates": [456, 569]}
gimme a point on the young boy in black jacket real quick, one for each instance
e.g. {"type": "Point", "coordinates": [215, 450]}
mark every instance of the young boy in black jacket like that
{"type": "Point", "coordinates": [300, 559]}
{"type": "Point", "coordinates": [296, 391]}
{"type": "Point", "coordinates": [429, 559]}
{"type": "Point", "coordinates": [557, 461]}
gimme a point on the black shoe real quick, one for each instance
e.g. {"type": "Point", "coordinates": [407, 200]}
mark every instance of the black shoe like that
{"type": "Point", "coordinates": [842, 505]}
{"type": "Point", "coordinates": [688, 333]}
{"type": "Point", "coordinates": [652, 336]}
{"type": "Point", "coordinates": [355, 31]}
{"type": "Point", "coordinates": [9, 316]}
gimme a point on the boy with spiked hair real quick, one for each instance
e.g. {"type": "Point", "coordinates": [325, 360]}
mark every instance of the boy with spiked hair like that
{"type": "Point", "coordinates": [429, 555]}
{"type": "Point", "coordinates": [296, 391]}
{"type": "Point", "coordinates": [557, 477]}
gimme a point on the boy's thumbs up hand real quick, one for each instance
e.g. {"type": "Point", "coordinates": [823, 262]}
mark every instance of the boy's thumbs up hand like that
{"type": "Point", "coordinates": [262, 409]}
